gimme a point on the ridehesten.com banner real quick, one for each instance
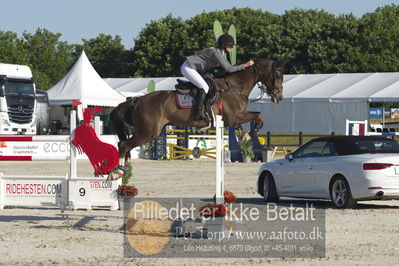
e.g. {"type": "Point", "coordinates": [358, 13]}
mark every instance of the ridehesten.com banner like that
{"type": "Point", "coordinates": [31, 192]}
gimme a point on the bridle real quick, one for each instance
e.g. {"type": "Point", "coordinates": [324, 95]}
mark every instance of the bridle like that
{"type": "Point", "coordinates": [262, 84]}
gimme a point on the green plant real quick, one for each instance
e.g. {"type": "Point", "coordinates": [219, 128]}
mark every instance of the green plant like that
{"type": "Point", "coordinates": [246, 148]}
{"type": "Point", "coordinates": [148, 147]}
{"type": "Point", "coordinates": [127, 175]}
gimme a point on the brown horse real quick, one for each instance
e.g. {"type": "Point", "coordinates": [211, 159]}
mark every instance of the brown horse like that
{"type": "Point", "coordinates": [139, 120]}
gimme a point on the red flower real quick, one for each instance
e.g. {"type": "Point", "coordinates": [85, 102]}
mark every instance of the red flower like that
{"type": "Point", "coordinates": [213, 209]}
{"type": "Point", "coordinates": [126, 190]}
{"type": "Point", "coordinates": [229, 197]}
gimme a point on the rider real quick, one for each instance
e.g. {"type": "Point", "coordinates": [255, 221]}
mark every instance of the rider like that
{"type": "Point", "coordinates": [198, 64]}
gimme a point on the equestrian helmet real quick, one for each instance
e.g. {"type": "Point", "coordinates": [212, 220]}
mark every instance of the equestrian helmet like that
{"type": "Point", "coordinates": [225, 39]}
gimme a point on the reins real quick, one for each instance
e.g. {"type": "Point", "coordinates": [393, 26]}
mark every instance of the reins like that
{"type": "Point", "coordinates": [261, 84]}
{"type": "Point", "coordinates": [229, 89]}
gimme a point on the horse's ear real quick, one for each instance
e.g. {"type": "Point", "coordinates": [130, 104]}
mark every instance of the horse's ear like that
{"type": "Point", "coordinates": [282, 63]}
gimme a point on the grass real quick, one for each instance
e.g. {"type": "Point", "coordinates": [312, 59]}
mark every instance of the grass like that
{"type": "Point", "coordinates": [290, 140]}
{"type": "Point", "coordinates": [387, 120]}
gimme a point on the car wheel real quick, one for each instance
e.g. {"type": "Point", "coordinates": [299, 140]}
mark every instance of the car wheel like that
{"type": "Point", "coordinates": [269, 189]}
{"type": "Point", "coordinates": [341, 194]}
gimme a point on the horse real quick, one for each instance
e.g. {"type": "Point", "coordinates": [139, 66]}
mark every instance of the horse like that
{"type": "Point", "coordinates": [141, 119]}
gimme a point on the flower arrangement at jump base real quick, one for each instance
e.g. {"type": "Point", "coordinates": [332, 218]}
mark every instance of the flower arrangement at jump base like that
{"type": "Point", "coordinates": [127, 191]}
{"type": "Point", "coordinates": [125, 194]}
{"type": "Point", "coordinates": [214, 214]}
{"type": "Point", "coordinates": [213, 210]}
{"type": "Point", "coordinates": [218, 210]}
{"type": "Point", "coordinates": [229, 197]}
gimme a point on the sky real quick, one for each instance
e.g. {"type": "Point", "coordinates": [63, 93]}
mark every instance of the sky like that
{"type": "Point", "coordinates": [85, 19]}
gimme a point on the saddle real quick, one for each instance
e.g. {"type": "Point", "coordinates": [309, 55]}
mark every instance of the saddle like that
{"type": "Point", "coordinates": [186, 93]}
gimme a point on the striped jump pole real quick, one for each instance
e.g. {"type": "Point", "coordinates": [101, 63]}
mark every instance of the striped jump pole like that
{"type": "Point", "coordinates": [36, 138]}
{"type": "Point", "coordinates": [66, 139]}
{"type": "Point", "coordinates": [33, 158]}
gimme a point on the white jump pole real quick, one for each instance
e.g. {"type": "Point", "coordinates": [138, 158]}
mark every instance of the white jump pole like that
{"type": "Point", "coordinates": [219, 160]}
{"type": "Point", "coordinates": [72, 159]}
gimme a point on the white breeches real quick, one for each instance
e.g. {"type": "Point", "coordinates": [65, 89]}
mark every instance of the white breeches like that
{"type": "Point", "coordinates": [193, 76]}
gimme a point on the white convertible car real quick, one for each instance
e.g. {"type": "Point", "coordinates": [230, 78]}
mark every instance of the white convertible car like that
{"type": "Point", "coordinates": [345, 169]}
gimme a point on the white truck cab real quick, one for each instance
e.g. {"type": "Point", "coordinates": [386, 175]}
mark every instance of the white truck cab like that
{"type": "Point", "coordinates": [17, 100]}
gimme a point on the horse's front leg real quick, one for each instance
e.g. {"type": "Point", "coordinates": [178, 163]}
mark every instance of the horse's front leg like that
{"type": "Point", "coordinates": [245, 117]}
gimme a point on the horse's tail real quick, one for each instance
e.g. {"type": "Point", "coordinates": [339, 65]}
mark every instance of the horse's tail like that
{"type": "Point", "coordinates": [118, 121]}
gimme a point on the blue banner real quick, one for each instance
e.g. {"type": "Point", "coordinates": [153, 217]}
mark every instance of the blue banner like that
{"type": "Point", "coordinates": [375, 112]}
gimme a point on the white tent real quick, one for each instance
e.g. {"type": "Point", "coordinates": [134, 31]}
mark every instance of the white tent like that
{"type": "Point", "coordinates": [82, 83]}
{"type": "Point", "coordinates": [320, 103]}
{"type": "Point", "coordinates": [133, 87]}
{"type": "Point", "coordinates": [316, 103]}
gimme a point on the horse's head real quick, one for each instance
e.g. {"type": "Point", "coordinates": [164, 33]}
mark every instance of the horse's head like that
{"type": "Point", "coordinates": [271, 78]}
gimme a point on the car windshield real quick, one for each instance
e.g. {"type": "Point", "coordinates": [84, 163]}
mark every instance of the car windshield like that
{"type": "Point", "coordinates": [375, 146]}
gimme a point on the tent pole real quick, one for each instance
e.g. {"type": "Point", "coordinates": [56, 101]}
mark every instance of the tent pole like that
{"type": "Point", "coordinates": [368, 116]}
{"type": "Point", "coordinates": [383, 115]}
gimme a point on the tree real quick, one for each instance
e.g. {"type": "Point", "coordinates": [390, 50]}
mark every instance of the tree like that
{"type": "Point", "coordinates": [377, 48]}
{"type": "Point", "coordinates": [257, 31]}
{"type": "Point", "coordinates": [312, 40]}
{"type": "Point", "coordinates": [158, 50]}
{"type": "Point", "coordinates": [11, 50]}
{"type": "Point", "coordinates": [48, 57]}
{"type": "Point", "coordinates": [162, 45]}
{"type": "Point", "coordinates": [107, 55]}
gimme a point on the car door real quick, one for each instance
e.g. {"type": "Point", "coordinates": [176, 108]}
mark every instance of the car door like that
{"type": "Point", "coordinates": [324, 168]}
{"type": "Point", "coordinates": [296, 177]}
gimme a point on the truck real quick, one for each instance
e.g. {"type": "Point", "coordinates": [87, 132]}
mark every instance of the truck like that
{"type": "Point", "coordinates": [17, 100]}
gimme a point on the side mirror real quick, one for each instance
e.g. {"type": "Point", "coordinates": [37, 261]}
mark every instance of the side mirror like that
{"type": "Point", "coordinates": [289, 156]}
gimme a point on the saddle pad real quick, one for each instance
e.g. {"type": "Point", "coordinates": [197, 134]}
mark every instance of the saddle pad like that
{"type": "Point", "coordinates": [185, 101]}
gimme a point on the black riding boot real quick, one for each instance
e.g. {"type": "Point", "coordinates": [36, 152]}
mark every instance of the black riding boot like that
{"type": "Point", "coordinates": [198, 105]}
